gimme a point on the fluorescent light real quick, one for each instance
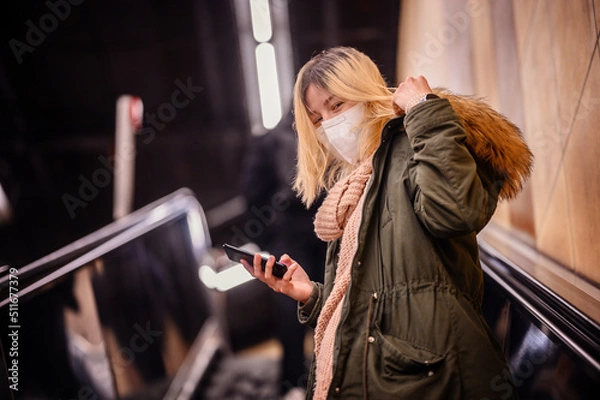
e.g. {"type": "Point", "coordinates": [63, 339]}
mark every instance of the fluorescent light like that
{"type": "Point", "coordinates": [226, 279]}
{"type": "Point", "coordinates": [268, 85]}
{"type": "Point", "coordinates": [261, 20]}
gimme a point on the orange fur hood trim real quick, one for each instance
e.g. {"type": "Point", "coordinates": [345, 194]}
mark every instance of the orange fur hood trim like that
{"type": "Point", "coordinates": [496, 143]}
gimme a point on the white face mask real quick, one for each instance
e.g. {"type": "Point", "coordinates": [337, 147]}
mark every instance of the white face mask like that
{"type": "Point", "coordinates": [343, 134]}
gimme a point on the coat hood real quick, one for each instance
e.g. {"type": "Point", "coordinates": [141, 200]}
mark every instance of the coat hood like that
{"type": "Point", "coordinates": [496, 143]}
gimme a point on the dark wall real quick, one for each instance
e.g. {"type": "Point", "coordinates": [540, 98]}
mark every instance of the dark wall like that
{"type": "Point", "coordinates": [370, 26]}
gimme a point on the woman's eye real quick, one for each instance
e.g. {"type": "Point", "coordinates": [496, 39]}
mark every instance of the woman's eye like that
{"type": "Point", "coordinates": [317, 121]}
{"type": "Point", "coordinates": [337, 105]}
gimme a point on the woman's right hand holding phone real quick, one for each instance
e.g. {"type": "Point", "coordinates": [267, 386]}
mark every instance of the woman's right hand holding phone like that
{"type": "Point", "coordinates": [295, 283]}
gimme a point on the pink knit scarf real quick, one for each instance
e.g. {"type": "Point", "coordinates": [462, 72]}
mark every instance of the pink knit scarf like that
{"type": "Point", "coordinates": [338, 216]}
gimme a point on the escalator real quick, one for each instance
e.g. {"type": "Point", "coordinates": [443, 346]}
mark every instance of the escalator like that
{"type": "Point", "coordinates": [119, 314]}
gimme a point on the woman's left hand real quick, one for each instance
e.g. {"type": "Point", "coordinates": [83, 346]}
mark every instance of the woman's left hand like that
{"type": "Point", "coordinates": [409, 91]}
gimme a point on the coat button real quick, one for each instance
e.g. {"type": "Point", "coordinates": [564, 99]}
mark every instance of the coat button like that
{"type": "Point", "coordinates": [337, 390]}
{"type": "Point", "coordinates": [371, 339]}
{"type": "Point", "coordinates": [375, 296]}
{"type": "Point", "coordinates": [430, 373]}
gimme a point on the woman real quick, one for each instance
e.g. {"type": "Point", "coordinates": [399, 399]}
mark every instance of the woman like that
{"type": "Point", "coordinates": [408, 187]}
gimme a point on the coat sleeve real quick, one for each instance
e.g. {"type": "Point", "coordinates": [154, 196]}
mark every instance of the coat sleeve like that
{"type": "Point", "coordinates": [309, 311]}
{"type": "Point", "coordinates": [448, 194]}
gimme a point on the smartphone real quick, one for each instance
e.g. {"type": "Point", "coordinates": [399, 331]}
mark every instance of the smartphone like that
{"type": "Point", "coordinates": [236, 254]}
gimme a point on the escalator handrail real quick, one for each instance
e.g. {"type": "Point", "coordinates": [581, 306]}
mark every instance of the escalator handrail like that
{"type": "Point", "coordinates": [84, 244]}
{"type": "Point", "coordinates": [161, 211]}
{"type": "Point", "coordinates": [571, 326]}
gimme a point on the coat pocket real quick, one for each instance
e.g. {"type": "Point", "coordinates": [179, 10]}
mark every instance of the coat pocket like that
{"type": "Point", "coordinates": [398, 369]}
{"type": "Point", "coordinates": [401, 357]}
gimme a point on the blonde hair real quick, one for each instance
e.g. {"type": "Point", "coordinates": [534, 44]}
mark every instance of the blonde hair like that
{"type": "Point", "coordinates": [350, 75]}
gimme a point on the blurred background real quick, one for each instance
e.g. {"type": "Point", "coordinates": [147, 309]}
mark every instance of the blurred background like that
{"type": "Point", "coordinates": [64, 64]}
{"type": "Point", "coordinates": [107, 106]}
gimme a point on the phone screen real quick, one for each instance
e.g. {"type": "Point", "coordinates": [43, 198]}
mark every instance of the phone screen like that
{"type": "Point", "coordinates": [236, 254]}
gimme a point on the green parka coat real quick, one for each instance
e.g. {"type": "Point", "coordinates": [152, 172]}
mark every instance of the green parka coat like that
{"type": "Point", "coordinates": [411, 325]}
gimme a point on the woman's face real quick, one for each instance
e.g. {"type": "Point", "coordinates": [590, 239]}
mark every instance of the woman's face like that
{"type": "Point", "coordinates": [322, 106]}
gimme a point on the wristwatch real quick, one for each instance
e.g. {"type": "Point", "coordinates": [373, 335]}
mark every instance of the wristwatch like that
{"type": "Point", "coordinates": [416, 100]}
{"type": "Point", "coordinates": [428, 96]}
